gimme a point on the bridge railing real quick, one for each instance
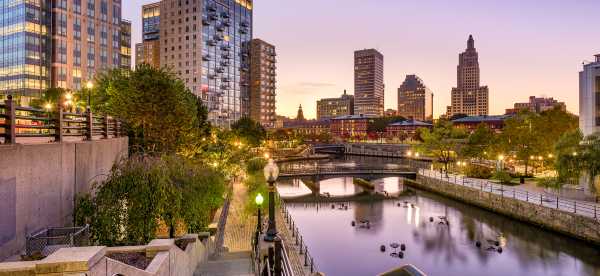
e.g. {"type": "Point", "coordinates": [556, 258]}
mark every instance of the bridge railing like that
{"type": "Point", "coordinates": [316, 170]}
{"type": "Point", "coordinates": [581, 208]}
{"type": "Point", "coordinates": [55, 125]}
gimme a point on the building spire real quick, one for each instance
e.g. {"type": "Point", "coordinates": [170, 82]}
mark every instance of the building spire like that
{"type": "Point", "coordinates": [471, 42]}
{"type": "Point", "coordinates": [300, 116]}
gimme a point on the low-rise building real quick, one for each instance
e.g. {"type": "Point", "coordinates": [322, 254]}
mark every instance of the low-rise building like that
{"type": "Point", "coordinates": [470, 123]}
{"type": "Point", "coordinates": [537, 105]}
{"type": "Point", "coordinates": [308, 127]}
{"type": "Point", "coordinates": [334, 107]}
{"type": "Point", "coordinates": [350, 126]}
{"type": "Point", "coordinates": [405, 128]}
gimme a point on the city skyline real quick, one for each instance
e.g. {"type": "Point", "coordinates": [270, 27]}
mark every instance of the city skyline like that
{"type": "Point", "coordinates": [560, 39]}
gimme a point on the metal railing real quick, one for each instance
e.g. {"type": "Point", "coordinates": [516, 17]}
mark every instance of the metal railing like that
{"type": "Point", "coordinates": [49, 240]}
{"type": "Point", "coordinates": [27, 122]}
{"type": "Point", "coordinates": [320, 170]}
{"type": "Point", "coordinates": [581, 208]}
{"type": "Point", "coordinates": [302, 248]}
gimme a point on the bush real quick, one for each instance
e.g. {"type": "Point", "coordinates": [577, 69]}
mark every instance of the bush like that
{"type": "Point", "coordinates": [477, 171]}
{"type": "Point", "coordinates": [503, 177]}
{"type": "Point", "coordinates": [256, 164]}
{"type": "Point", "coordinates": [549, 182]}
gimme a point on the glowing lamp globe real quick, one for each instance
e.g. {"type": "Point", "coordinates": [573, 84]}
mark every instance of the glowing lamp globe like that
{"type": "Point", "coordinates": [259, 199]}
{"type": "Point", "coordinates": [271, 171]}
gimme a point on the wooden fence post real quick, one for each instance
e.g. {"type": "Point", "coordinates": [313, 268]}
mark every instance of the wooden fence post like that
{"type": "Point", "coordinates": [11, 134]}
{"type": "Point", "coordinates": [90, 124]}
{"type": "Point", "coordinates": [106, 126]}
{"type": "Point", "coordinates": [58, 128]}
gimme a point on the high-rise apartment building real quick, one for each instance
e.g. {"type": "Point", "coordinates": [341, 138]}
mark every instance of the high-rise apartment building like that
{"type": "Point", "coordinates": [125, 44]}
{"type": "Point", "coordinates": [262, 82]}
{"type": "Point", "coordinates": [206, 43]}
{"type": "Point", "coordinates": [468, 97]}
{"type": "Point", "coordinates": [139, 53]}
{"type": "Point", "coordinates": [151, 34]}
{"type": "Point", "coordinates": [56, 44]}
{"type": "Point", "coordinates": [415, 100]}
{"type": "Point", "coordinates": [368, 83]}
{"type": "Point", "coordinates": [589, 97]}
{"type": "Point", "coordinates": [335, 107]}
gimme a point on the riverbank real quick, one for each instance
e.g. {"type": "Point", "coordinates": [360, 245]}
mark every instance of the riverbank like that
{"type": "Point", "coordinates": [580, 227]}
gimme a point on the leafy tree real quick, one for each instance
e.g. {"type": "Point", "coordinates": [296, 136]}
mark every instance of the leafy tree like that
{"type": "Point", "coordinates": [566, 151]}
{"type": "Point", "coordinates": [159, 112]}
{"type": "Point", "coordinates": [551, 125]}
{"type": "Point", "coordinates": [442, 142]}
{"type": "Point", "coordinates": [479, 142]}
{"type": "Point", "coordinates": [379, 124]}
{"type": "Point", "coordinates": [249, 130]}
{"type": "Point", "coordinates": [520, 138]}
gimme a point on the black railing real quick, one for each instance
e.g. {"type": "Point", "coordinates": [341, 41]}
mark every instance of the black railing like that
{"type": "Point", "coordinates": [581, 208]}
{"type": "Point", "coordinates": [53, 124]}
{"type": "Point", "coordinates": [292, 170]}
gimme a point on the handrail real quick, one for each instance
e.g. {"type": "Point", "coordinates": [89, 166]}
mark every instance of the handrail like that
{"type": "Point", "coordinates": [576, 207]}
{"type": "Point", "coordinates": [26, 122]}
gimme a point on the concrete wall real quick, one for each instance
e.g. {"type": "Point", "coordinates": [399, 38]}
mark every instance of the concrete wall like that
{"type": "Point", "coordinates": [580, 227]}
{"type": "Point", "coordinates": [167, 260]}
{"type": "Point", "coordinates": [38, 184]}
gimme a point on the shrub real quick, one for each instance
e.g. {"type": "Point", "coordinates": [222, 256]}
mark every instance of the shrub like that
{"type": "Point", "coordinates": [503, 177]}
{"type": "Point", "coordinates": [256, 164]}
{"type": "Point", "coordinates": [477, 171]}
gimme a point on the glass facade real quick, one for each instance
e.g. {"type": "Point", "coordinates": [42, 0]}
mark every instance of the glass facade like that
{"type": "Point", "coordinates": [126, 44]}
{"type": "Point", "coordinates": [24, 40]}
{"type": "Point", "coordinates": [226, 36]}
{"type": "Point", "coordinates": [151, 33]}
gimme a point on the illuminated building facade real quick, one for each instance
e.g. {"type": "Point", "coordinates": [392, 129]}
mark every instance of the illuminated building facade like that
{"type": "Point", "coordinates": [415, 100]}
{"type": "Point", "coordinates": [125, 44]}
{"type": "Point", "coordinates": [56, 44]}
{"type": "Point", "coordinates": [150, 53]}
{"type": "Point", "coordinates": [262, 82]}
{"type": "Point", "coordinates": [368, 83]}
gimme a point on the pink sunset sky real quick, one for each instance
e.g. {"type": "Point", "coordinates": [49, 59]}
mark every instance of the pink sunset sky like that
{"type": "Point", "coordinates": [526, 48]}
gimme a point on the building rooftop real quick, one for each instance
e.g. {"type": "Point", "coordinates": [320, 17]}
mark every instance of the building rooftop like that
{"type": "Point", "coordinates": [411, 123]}
{"type": "Point", "coordinates": [482, 118]}
{"type": "Point", "coordinates": [353, 117]}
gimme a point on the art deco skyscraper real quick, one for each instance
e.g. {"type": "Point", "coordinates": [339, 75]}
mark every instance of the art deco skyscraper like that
{"type": "Point", "coordinates": [469, 97]}
{"type": "Point", "coordinates": [262, 82]}
{"type": "Point", "coordinates": [368, 83]}
{"type": "Point", "coordinates": [415, 100]}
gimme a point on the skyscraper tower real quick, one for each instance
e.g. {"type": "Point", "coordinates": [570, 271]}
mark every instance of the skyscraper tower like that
{"type": "Point", "coordinates": [415, 100]}
{"type": "Point", "coordinates": [469, 97]}
{"type": "Point", "coordinates": [368, 83]}
{"type": "Point", "coordinates": [151, 34]}
{"type": "Point", "coordinates": [589, 97]}
{"type": "Point", "coordinates": [262, 82]}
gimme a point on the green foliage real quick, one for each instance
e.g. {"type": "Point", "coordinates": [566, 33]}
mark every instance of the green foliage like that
{"type": "Point", "coordinates": [256, 183]}
{"type": "Point", "coordinates": [442, 142]}
{"type": "Point", "coordinates": [503, 177]}
{"type": "Point", "coordinates": [549, 182]}
{"type": "Point", "coordinates": [159, 112]}
{"type": "Point", "coordinates": [256, 164]}
{"type": "Point", "coordinates": [249, 131]}
{"type": "Point", "coordinates": [566, 150]}
{"type": "Point", "coordinates": [379, 124]}
{"type": "Point", "coordinates": [142, 191]}
{"type": "Point", "coordinates": [477, 171]}
{"type": "Point", "coordinates": [478, 143]}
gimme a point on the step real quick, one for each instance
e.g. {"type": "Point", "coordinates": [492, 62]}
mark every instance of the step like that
{"type": "Point", "coordinates": [227, 267]}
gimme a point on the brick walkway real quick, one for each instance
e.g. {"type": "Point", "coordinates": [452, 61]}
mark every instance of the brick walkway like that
{"type": "Point", "coordinates": [239, 227]}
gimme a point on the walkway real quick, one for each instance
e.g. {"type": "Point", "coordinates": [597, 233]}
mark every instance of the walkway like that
{"type": "Point", "coordinates": [582, 208]}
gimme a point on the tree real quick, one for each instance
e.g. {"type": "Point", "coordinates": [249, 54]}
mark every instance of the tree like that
{"type": "Point", "coordinates": [378, 125]}
{"type": "Point", "coordinates": [566, 151]}
{"type": "Point", "coordinates": [160, 113]}
{"type": "Point", "coordinates": [520, 138]}
{"type": "Point", "coordinates": [442, 142]}
{"type": "Point", "coordinates": [249, 130]}
{"type": "Point", "coordinates": [479, 142]}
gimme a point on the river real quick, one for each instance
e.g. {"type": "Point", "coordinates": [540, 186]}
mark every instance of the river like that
{"type": "Point", "coordinates": [439, 234]}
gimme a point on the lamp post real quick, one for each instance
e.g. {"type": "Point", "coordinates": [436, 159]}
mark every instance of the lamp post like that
{"type": "Point", "coordinates": [89, 85]}
{"type": "Point", "coordinates": [271, 173]}
{"type": "Point", "coordinates": [259, 201]}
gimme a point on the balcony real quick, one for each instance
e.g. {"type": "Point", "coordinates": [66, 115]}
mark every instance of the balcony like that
{"type": "Point", "coordinates": [211, 43]}
{"type": "Point", "coordinates": [226, 56]}
{"type": "Point", "coordinates": [244, 24]}
{"type": "Point", "coordinates": [243, 31]}
{"type": "Point", "coordinates": [226, 79]}
{"type": "Point", "coordinates": [220, 70]}
{"type": "Point", "coordinates": [225, 63]}
{"type": "Point", "coordinates": [211, 8]}
{"type": "Point", "coordinates": [225, 15]}
{"type": "Point", "coordinates": [206, 57]}
{"type": "Point", "coordinates": [226, 23]}
{"type": "Point", "coordinates": [205, 21]}
{"type": "Point", "coordinates": [225, 47]}
{"type": "Point", "coordinates": [213, 17]}
{"type": "Point", "coordinates": [212, 76]}
{"type": "Point", "coordinates": [218, 37]}
{"type": "Point", "coordinates": [225, 87]}
{"type": "Point", "coordinates": [220, 28]}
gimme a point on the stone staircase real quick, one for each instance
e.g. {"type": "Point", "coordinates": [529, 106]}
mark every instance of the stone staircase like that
{"type": "Point", "coordinates": [227, 264]}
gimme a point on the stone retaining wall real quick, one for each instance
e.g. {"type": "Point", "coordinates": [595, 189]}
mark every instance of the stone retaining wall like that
{"type": "Point", "coordinates": [580, 227]}
{"type": "Point", "coordinates": [38, 184]}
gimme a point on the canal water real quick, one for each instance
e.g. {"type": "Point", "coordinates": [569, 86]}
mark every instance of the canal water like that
{"type": "Point", "coordinates": [439, 234]}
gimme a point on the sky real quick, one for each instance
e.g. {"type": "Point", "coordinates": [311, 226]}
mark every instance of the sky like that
{"type": "Point", "coordinates": [526, 48]}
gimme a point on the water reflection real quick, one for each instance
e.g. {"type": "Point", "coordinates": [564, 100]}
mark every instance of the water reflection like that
{"type": "Point", "coordinates": [439, 234]}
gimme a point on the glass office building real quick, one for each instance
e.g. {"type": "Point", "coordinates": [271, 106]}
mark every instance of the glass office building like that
{"type": "Point", "coordinates": [151, 34]}
{"type": "Point", "coordinates": [24, 49]}
{"type": "Point", "coordinates": [56, 43]}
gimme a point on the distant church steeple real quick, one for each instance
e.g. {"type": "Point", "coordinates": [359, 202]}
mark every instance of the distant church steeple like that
{"type": "Point", "coordinates": [300, 116]}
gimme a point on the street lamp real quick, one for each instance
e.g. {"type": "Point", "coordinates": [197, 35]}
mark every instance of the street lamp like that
{"type": "Point", "coordinates": [259, 201]}
{"type": "Point", "coordinates": [89, 85]}
{"type": "Point", "coordinates": [271, 173]}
